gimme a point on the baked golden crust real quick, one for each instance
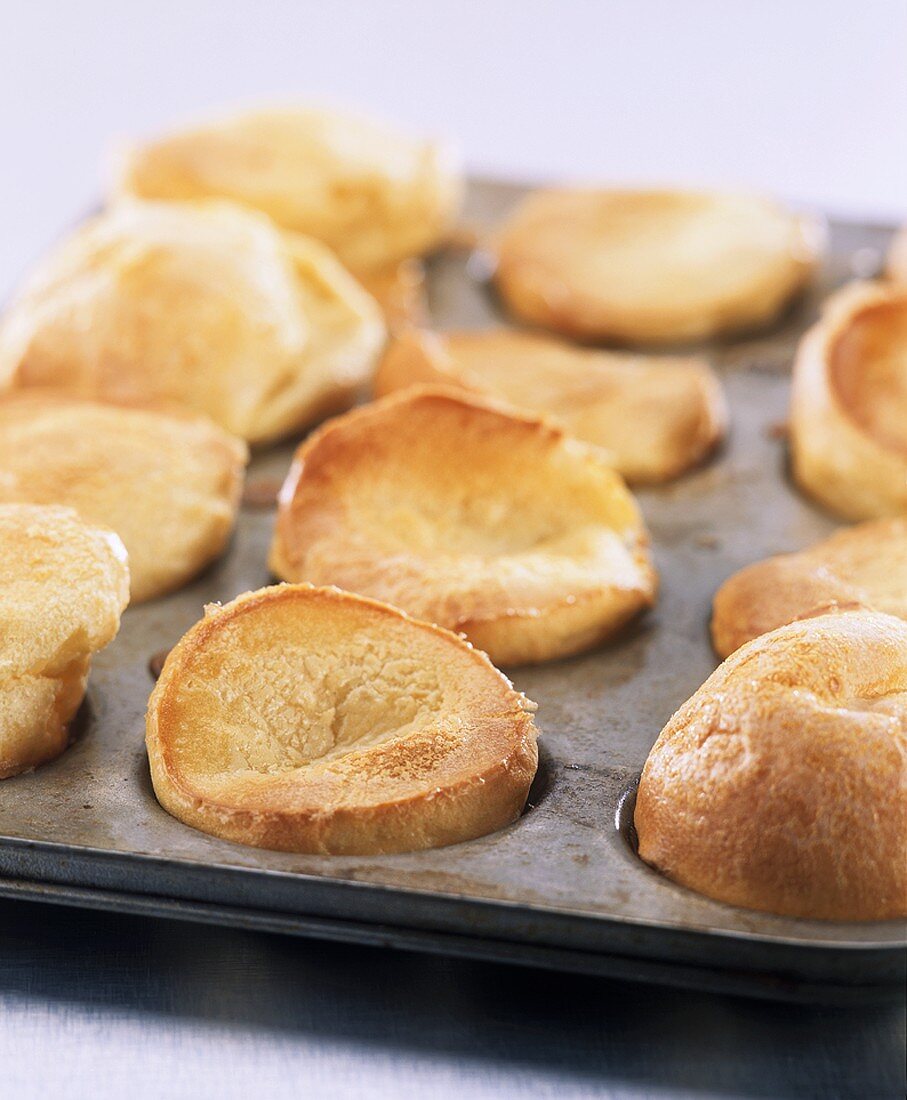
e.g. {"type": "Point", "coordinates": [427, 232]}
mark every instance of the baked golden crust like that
{"type": "Point", "coordinates": [468, 515]}
{"type": "Point", "coordinates": [373, 195]}
{"type": "Point", "coordinates": [780, 785]}
{"type": "Point", "coordinates": [312, 720]}
{"type": "Point", "coordinates": [654, 417]}
{"type": "Point", "coordinates": [168, 482]}
{"type": "Point", "coordinates": [849, 404]}
{"type": "Point", "coordinates": [651, 266]}
{"type": "Point", "coordinates": [896, 267]}
{"type": "Point", "coordinates": [64, 584]}
{"type": "Point", "coordinates": [207, 305]}
{"type": "Point", "coordinates": [862, 566]}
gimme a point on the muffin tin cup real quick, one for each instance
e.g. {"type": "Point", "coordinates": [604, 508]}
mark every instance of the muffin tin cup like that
{"type": "Point", "coordinates": [562, 887]}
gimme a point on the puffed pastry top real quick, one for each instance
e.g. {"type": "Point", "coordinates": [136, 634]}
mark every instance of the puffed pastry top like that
{"type": "Point", "coordinates": [651, 266]}
{"type": "Point", "coordinates": [848, 424]}
{"type": "Point", "coordinates": [208, 305]}
{"type": "Point", "coordinates": [374, 195]}
{"type": "Point", "coordinates": [654, 416]}
{"type": "Point", "coordinates": [63, 586]}
{"type": "Point", "coordinates": [167, 481]}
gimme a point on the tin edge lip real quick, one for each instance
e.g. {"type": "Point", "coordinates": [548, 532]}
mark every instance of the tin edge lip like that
{"type": "Point", "coordinates": [107, 857]}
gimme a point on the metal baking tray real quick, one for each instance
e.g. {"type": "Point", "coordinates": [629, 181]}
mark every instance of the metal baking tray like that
{"type": "Point", "coordinates": [562, 887]}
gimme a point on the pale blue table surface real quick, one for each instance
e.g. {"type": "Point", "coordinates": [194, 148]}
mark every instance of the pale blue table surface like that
{"type": "Point", "coordinates": [101, 1005]}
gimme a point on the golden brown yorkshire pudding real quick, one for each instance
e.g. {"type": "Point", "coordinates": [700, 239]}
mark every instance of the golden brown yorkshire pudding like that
{"type": "Point", "coordinates": [167, 482]}
{"type": "Point", "coordinates": [373, 195]}
{"type": "Point", "coordinates": [63, 585]}
{"type": "Point", "coordinates": [849, 404]}
{"type": "Point", "coordinates": [655, 417]}
{"type": "Point", "coordinates": [864, 565]}
{"type": "Point", "coordinates": [311, 720]}
{"type": "Point", "coordinates": [780, 785]}
{"type": "Point", "coordinates": [208, 305]}
{"type": "Point", "coordinates": [470, 516]}
{"type": "Point", "coordinates": [651, 266]}
{"type": "Point", "coordinates": [896, 268]}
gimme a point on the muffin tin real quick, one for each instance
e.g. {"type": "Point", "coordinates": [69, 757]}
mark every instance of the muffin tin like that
{"type": "Point", "coordinates": [563, 886]}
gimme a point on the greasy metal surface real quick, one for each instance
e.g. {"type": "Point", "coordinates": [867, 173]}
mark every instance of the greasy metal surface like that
{"type": "Point", "coordinates": [562, 878]}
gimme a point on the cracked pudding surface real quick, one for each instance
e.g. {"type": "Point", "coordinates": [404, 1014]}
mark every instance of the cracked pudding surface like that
{"type": "Point", "coordinates": [312, 720]}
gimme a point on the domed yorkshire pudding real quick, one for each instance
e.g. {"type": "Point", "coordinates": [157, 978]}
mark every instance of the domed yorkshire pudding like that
{"type": "Point", "coordinates": [780, 785]}
{"type": "Point", "coordinates": [470, 516]}
{"type": "Point", "coordinates": [208, 305]}
{"type": "Point", "coordinates": [655, 417]}
{"type": "Point", "coordinates": [63, 585]}
{"type": "Point", "coordinates": [849, 404]}
{"type": "Point", "coordinates": [897, 257]}
{"type": "Point", "coordinates": [651, 266]}
{"type": "Point", "coordinates": [167, 482]}
{"type": "Point", "coordinates": [375, 196]}
{"type": "Point", "coordinates": [311, 720]}
{"type": "Point", "coordinates": [864, 565]}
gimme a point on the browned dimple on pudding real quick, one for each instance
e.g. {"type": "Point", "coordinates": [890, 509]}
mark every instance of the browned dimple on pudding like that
{"type": "Point", "coordinates": [869, 371]}
{"type": "Point", "coordinates": [312, 720]}
{"type": "Point", "coordinates": [849, 403]}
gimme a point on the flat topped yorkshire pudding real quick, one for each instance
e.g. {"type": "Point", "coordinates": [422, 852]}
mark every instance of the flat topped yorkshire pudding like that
{"type": "Point", "coordinates": [166, 481]}
{"type": "Point", "coordinates": [864, 565]}
{"type": "Point", "coordinates": [781, 784]}
{"type": "Point", "coordinates": [470, 516]}
{"type": "Point", "coordinates": [311, 720]}
{"type": "Point", "coordinates": [655, 417]}
{"type": "Point", "coordinates": [651, 266]}
{"type": "Point", "coordinates": [849, 405]}
{"type": "Point", "coordinates": [207, 305]}
{"type": "Point", "coordinates": [375, 196]}
{"type": "Point", "coordinates": [63, 585]}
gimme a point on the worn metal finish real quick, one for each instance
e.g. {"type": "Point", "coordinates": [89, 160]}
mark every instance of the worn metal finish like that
{"type": "Point", "coordinates": [562, 887]}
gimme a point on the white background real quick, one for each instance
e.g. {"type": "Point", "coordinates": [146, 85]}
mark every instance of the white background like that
{"type": "Point", "coordinates": [806, 98]}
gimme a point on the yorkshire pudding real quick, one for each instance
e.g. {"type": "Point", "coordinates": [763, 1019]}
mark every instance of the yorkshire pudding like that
{"type": "Point", "coordinates": [64, 585]}
{"type": "Point", "coordinates": [780, 785]}
{"type": "Point", "coordinates": [375, 196]}
{"type": "Point", "coordinates": [864, 565]}
{"type": "Point", "coordinates": [651, 266]}
{"type": "Point", "coordinates": [655, 417]}
{"type": "Point", "coordinates": [167, 482]}
{"type": "Point", "coordinates": [311, 720]}
{"type": "Point", "coordinates": [470, 516]}
{"type": "Point", "coordinates": [849, 405]}
{"type": "Point", "coordinates": [208, 305]}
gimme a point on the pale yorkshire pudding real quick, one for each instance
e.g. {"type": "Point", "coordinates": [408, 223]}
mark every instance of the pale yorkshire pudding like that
{"type": "Point", "coordinates": [312, 720]}
{"type": "Point", "coordinates": [651, 266]}
{"type": "Point", "coordinates": [897, 257]}
{"type": "Point", "coordinates": [848, 425]}
{"type": "Point", "coordinates": [654, 417]}
{"type": "Point", "coordinates": [864, 565]}
{"type": "Point", "coordinates": [208, 305]}
{"type": "Point", "coordinates": [374, 195]}
{"type": "Point", "coordinates": [63, 586]}
{"type": "Point", "coordinates": [781, 785]}
{"type": "Point", "coordinates": [468, 515]}
{"type": "Point", "coordinates": [167, 482]}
